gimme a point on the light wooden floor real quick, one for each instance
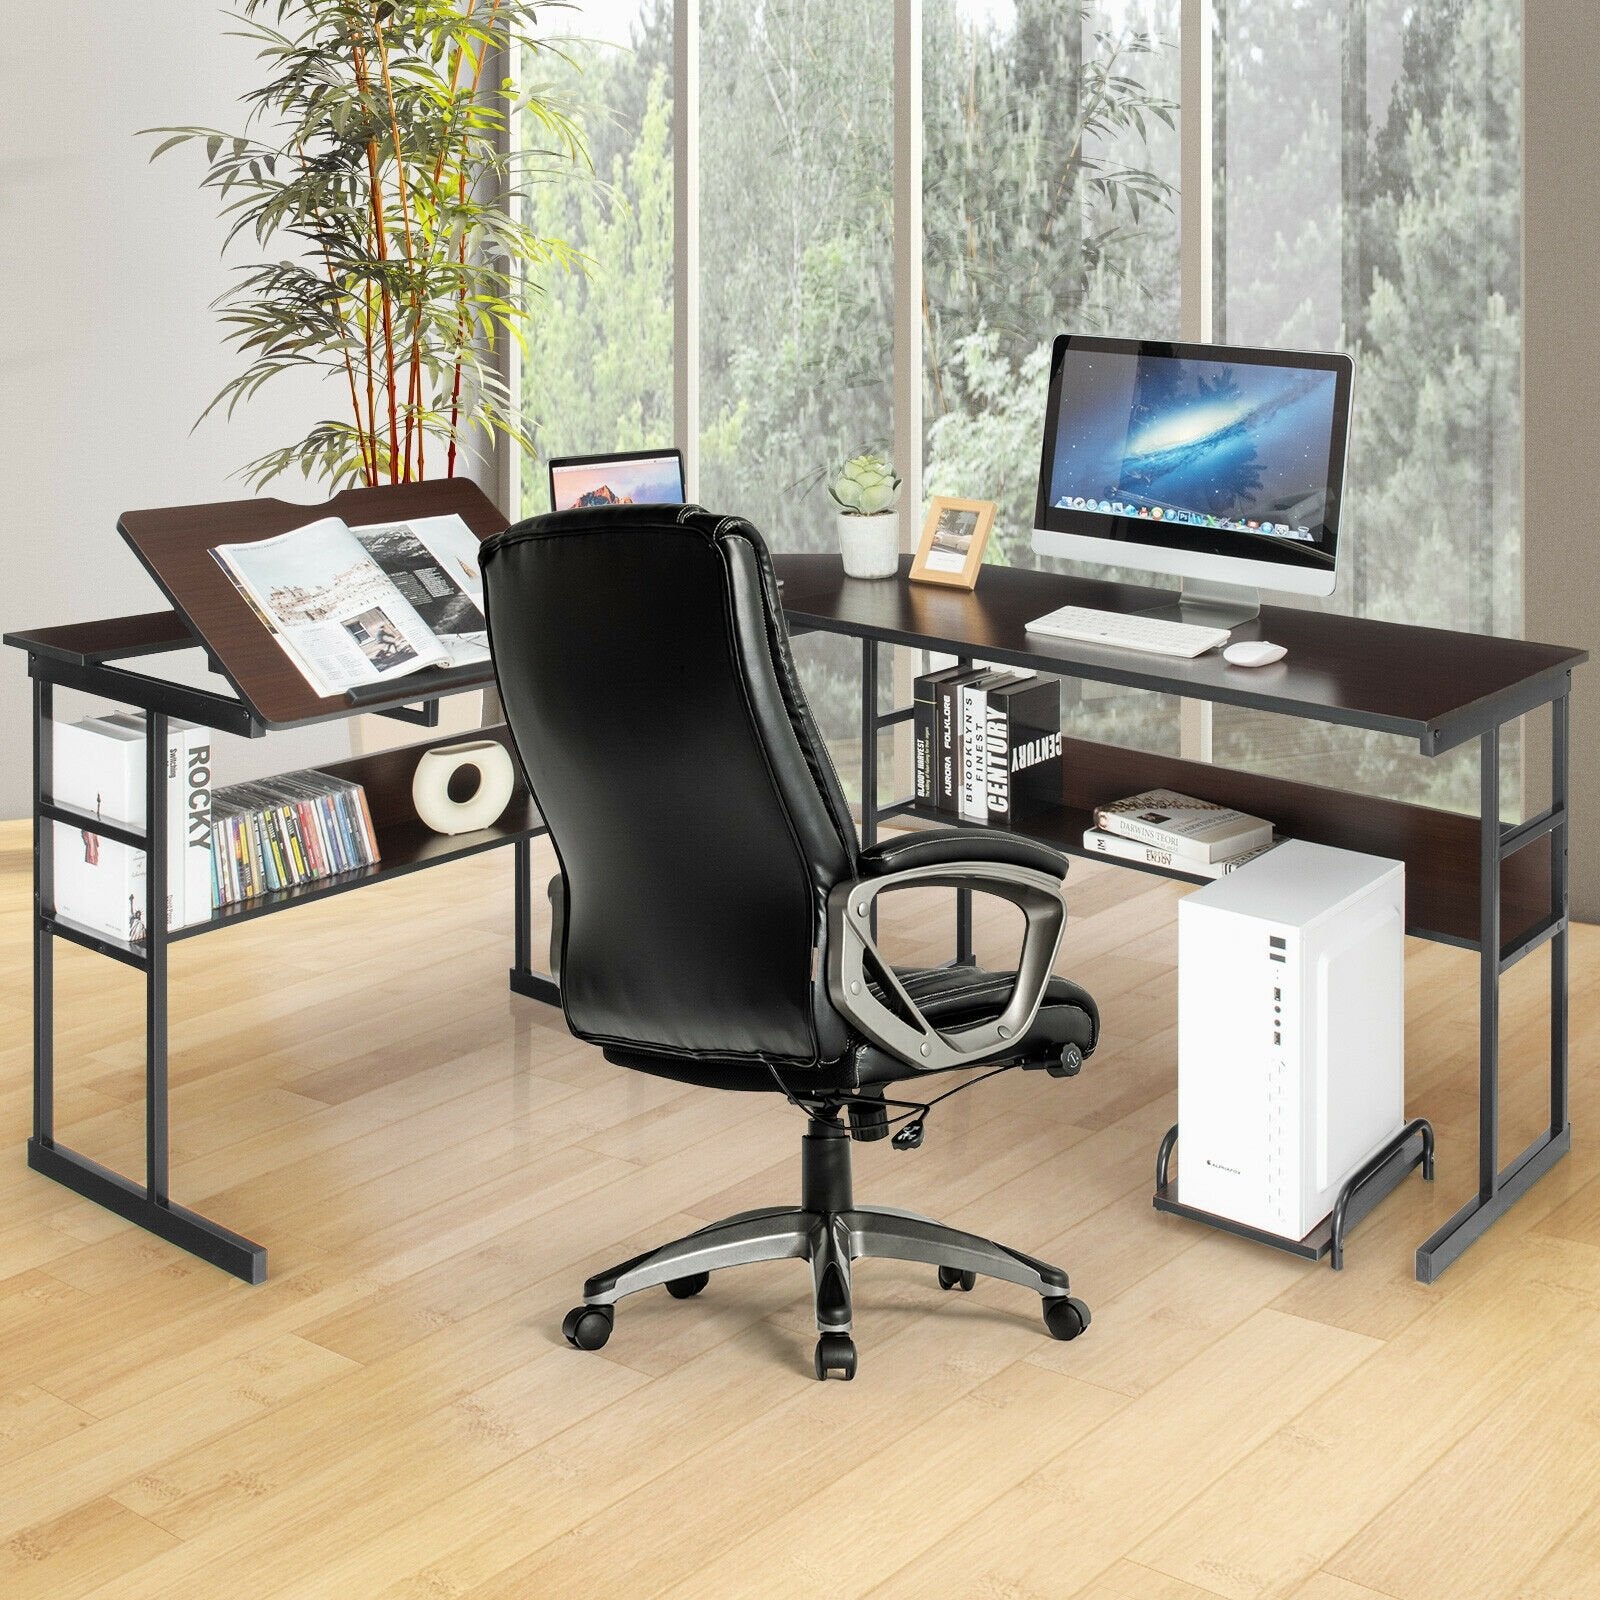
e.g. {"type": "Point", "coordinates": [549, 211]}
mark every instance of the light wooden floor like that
{"type": "Point", "coordinates": [435, 1167]}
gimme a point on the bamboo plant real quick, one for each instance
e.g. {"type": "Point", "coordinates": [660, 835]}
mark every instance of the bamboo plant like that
{"type": "Point", "coordinates": [380, 148]}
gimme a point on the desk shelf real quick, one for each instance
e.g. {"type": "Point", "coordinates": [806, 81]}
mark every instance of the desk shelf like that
{"type": "Point", "coordinates": [1471, 881]}
{"type": "Point", "coordinates": [267, 693]}
{"type": "Point", "coordinates": [1439, 848]}
{"type": "Point", "coordinates": [405, 843]}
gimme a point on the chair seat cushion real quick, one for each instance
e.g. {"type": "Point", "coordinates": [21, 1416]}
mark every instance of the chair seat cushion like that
{"type": "Point", "coordinates": [949, 997]}
{"type": "Point", "coordinates": [959, 997]}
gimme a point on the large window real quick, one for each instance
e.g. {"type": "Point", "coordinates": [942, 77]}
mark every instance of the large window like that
{"type": "Point", "coordinates": [796, 235]}
{"type": "Point", "coordinates": [1365, 196]}
{"type": "Point", "coordinates": [1369, 199]}
{"type": "Point", "coordinates": [1050, 186]}
{"type": "Point", "coordinates": [597, 370]}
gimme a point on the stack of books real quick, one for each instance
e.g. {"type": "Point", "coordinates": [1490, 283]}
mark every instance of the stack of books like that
{"type": "Point", "coordinates": [98, 768]}
{"type": "Point", "coordinates": [987, 744]}
{"type": "Point", "coordinates": [1166, 829]}
{"type": "Point", "coordinates": [282, 832]}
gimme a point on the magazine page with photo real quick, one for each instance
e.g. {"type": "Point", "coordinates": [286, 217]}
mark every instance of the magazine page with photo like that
{"type": "Point", "coordinates": [433, 562]}
{"type": "Point", "coordinates": [334, 610]}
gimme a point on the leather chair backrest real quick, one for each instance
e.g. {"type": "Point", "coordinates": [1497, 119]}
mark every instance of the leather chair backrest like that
{"type": "Point", "coordinates": [649, 690]}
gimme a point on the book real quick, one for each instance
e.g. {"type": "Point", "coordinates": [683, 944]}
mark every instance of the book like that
{"type": "Point", "coordinates": [1022, 749]}
{"type": "Point", "coordinates": [925, 731]}
{"type": "Point", "coordinates": [972, 805]}
{"type": "Point", "coordinates": [194, 786]}
{"type": "Point", "coordinates": [1193, 830]}
{"type": "Point", "coordinates": [947, 706]}
{"type": "Point", "coordinates": [1122, 848]}
{"type": "Point", "coordinates": [352, 606]}
{"type": "Point", "coordinates": [133, 723]}
{"type": "Point", "coordinates": [98, 884]}
{"type": "Point", "coordinates": [99, 767]}
{"type": "Point", "coordinates": [188, 760]}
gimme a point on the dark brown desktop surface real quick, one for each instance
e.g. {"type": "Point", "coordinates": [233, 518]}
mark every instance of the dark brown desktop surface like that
{"type": "Point", "coordinates": [1431, 684]}
{"type": "Point", "coordinates": [175, 544]}
{"type": "Point", "coordinates": [1439, 687]}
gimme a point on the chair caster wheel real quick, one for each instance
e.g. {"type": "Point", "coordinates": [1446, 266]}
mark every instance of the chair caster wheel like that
{"type": "Point", "coordinates": [836, 1352]}
{"type": "Point", "coordinates": [587, 1327]}
{"type": "Point", "coordinates": [1065, 1317]}
{"type": "Point", "coordinates": [688, 1288]}
{"type": "Point", "coordinates": [955, 1278]}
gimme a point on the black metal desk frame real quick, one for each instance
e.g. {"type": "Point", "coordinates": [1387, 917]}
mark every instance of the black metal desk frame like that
{"type": "Point", "coordinates": [1499, 1187]}
{"type": "Point", "coordinates": [93, 670]}
{"type": "Point", "coordinates": [92, 667]}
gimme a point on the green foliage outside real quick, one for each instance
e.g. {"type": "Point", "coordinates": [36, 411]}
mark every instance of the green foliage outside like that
{"type": "Point", "coordinates": [1409, 258]}
{"type": "Point", "coordinates": [1049, 202]}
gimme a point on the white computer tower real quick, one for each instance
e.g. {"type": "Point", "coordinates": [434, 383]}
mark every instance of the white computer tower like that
{"type": "Point", "coordinates": [1291, 1032]}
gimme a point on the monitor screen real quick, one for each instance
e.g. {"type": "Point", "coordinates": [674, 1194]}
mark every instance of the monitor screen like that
{"type": "Point", "coordinates": [1202, 448]}
{"type": "Point", "coordinates": [635, 477]}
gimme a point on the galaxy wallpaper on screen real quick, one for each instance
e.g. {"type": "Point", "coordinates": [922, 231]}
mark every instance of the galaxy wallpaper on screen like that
{"type": "Point", "coordinates": [1228, 444]}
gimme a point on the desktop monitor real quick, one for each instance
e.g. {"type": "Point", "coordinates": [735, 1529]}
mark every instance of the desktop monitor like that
{"type": "Point", "coordinates": [1219, 465]}
{"type": "Point", "coordinates": [627, 478]}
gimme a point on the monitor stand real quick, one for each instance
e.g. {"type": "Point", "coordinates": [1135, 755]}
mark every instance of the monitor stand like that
{"type": "Point", "coordinates": [1210, 605]}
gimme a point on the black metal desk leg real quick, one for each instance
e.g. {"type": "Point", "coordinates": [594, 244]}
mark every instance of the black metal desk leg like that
{"type": "Point", "coordinates": [155, 977]}
{"type": "Point", "coordinates": [1489, 965]}
{"type": "Point", "coordinates": [44, 1012]}
{"type": "Point", "coordinates": [524, 980]}
{"type": "Point", "coordinates": [146, 1204]}
{"type": "Point", "coordinates": [522, 905]}
{"type": "Point", "coordinates": [964, 955]}
{"type": "Point", "coordinates": [1560, 906]}
{"type": "Point", "coordinates": [869, 743]}
{"type": "Point", "coordinates": [1499, 1188]}
{"type": "Point", "coordinates": [869, 754]}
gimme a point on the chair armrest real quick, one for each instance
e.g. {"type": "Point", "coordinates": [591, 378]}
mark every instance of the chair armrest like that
{"type": "Point", "coordinates": [951, 847]}
{"type": "Point", "coordinates": [855, 963]}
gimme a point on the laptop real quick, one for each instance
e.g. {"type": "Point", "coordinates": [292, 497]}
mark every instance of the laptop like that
{"type": "Point", "coordinates": [631, 477]}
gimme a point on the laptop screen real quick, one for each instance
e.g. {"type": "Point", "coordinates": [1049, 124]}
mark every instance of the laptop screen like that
{"type": "Point", "coordinates": [635, 477]}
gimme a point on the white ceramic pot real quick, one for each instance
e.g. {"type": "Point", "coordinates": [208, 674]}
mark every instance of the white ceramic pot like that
{"type": "Point", "coordinates": [430, 786]}
{"type": "Point", "coordinates": [870, 546]}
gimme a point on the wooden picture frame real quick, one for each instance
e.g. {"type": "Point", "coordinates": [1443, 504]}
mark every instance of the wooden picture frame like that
{"type": "Point", "coordinates": [953, 540]}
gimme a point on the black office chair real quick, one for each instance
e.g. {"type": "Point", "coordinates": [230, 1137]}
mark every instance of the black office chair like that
{"type": "Point", "coordinates": [713, 921]}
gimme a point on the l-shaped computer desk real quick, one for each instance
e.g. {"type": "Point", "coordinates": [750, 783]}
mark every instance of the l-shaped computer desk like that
{"type": "Point", "coordinates": [1470, 881]}
{"type": "Point", "coordinates": [1475, 882]}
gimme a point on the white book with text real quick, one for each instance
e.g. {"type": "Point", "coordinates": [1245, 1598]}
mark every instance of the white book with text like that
{"type": "Point", "coordinates": [1193, 830]}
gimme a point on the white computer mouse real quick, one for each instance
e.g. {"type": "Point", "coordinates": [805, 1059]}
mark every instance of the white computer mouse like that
{"type": "Point", "coordinates": [1253, 653]}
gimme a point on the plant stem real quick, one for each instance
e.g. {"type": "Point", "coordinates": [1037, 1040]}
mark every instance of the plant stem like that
{"type": "Point", "coordinates": [461, 257]}
{"type": "Point", "coordinates": [405, 207]}
{"type": "Point", "coordinates": [414, 378]}
{"type": "Point", "coordinates": [369, 465]}
{"type": "Point", "coordinates": [375, 180]}
{"type": "Point", "coordinates": [372, 393]}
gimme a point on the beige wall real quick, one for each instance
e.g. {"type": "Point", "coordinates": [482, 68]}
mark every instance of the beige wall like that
{"type": "Point", "coordinates": [1561, 367]}
{"type": "Point", "coordinates": [110, 349]}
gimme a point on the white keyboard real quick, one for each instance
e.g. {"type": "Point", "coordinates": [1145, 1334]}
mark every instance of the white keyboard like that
{"type": "Point", "coordinates": [1124, 632]}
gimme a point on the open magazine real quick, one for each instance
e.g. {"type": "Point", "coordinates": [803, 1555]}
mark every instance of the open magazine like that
{"type": "Point", "coordinates": [352, 606]}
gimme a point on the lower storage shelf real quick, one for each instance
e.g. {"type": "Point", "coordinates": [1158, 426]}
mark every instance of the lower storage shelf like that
{"type": "Point", "coordinates": [405, 842]}
{"type": "Point", "coordinates": [1440, 848]}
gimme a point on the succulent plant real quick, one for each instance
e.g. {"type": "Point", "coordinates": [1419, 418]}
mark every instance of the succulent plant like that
{"type": "Point", "coordinates": [865, 486]}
